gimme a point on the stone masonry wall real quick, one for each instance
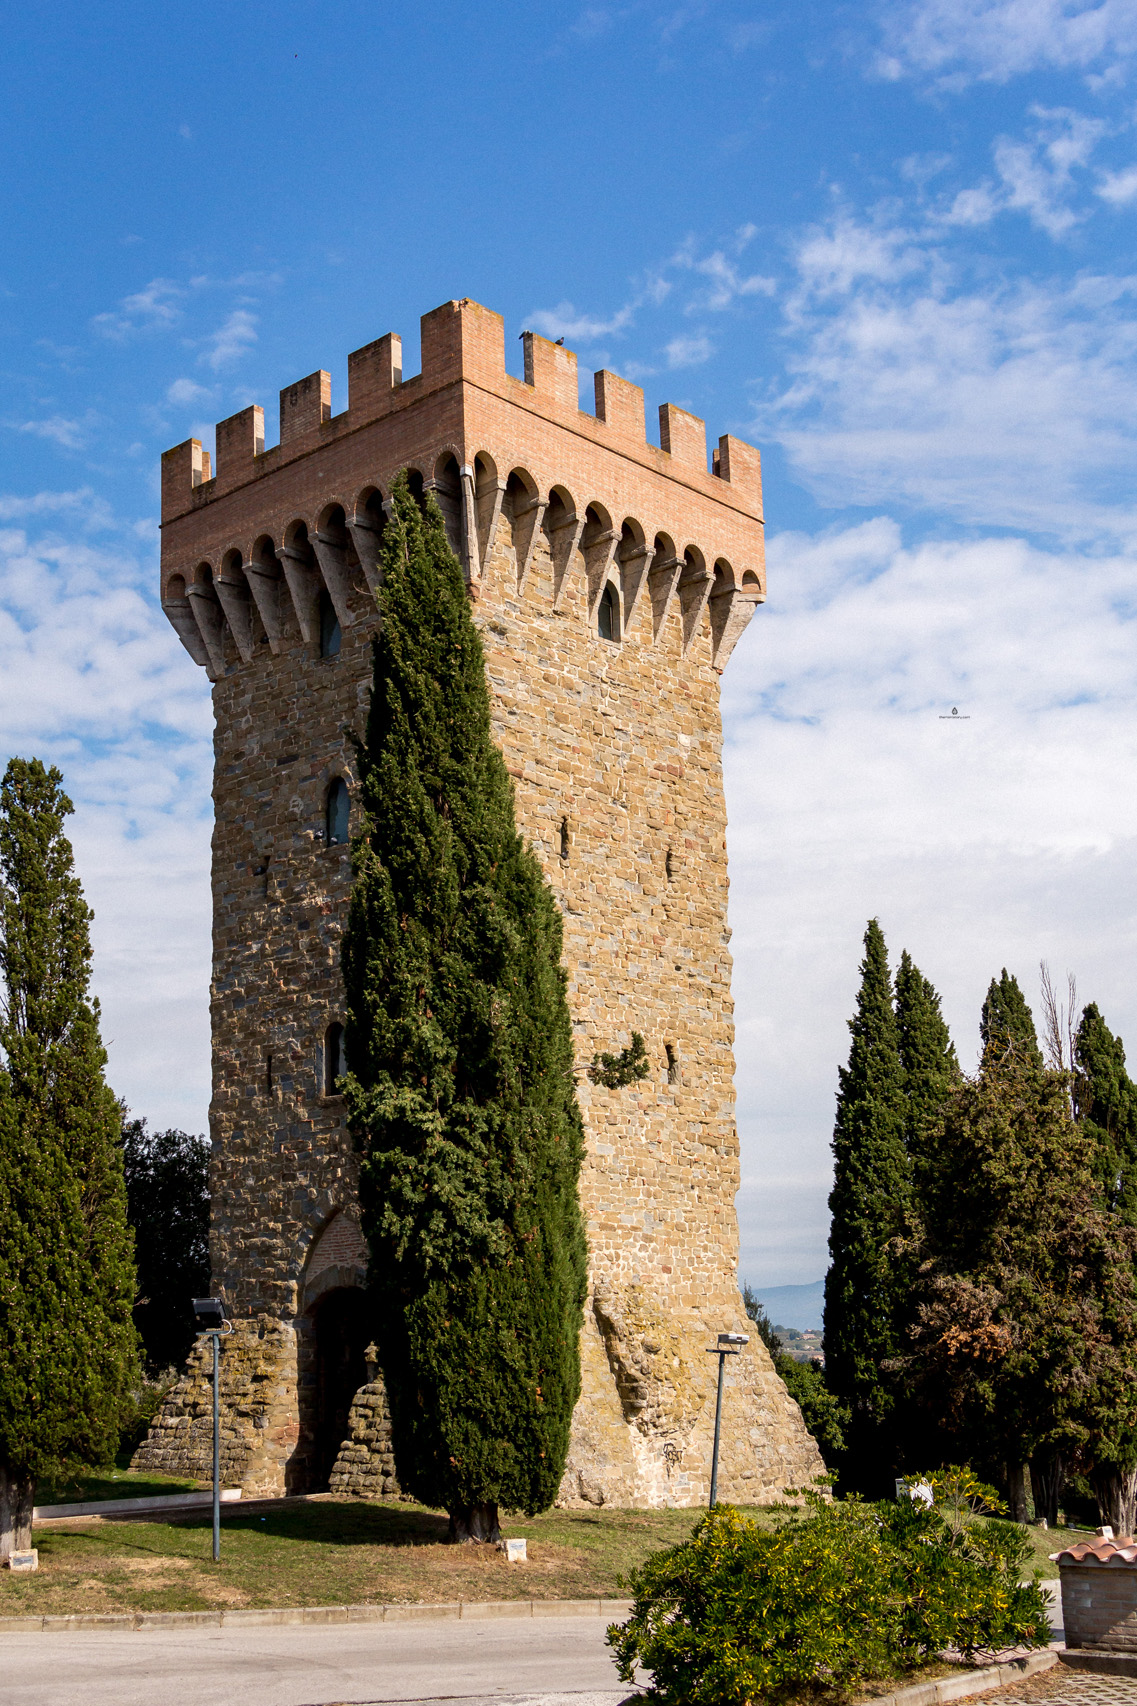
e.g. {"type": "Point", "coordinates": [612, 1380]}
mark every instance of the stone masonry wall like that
{"type": "Point", "coordinates": [615, 751]}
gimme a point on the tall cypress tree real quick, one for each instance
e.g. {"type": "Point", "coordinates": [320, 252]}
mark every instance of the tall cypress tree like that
{"type": "Point", "coordinates": [1007, 1022]}
{"type": "Point", "coordinates": [868, 1205]}
{"type": "Point", "coordinates": [927, 1053]}
{"type": "Point", "coordinates": [460, 1087]}
{"type": "Point", "coordinates": [1105, 1102]}
{"type": "Point", "coordinates": [68, 1349]}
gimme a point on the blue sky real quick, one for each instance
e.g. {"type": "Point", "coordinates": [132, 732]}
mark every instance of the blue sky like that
{"type": "Point", "coordinates": [891, 243]}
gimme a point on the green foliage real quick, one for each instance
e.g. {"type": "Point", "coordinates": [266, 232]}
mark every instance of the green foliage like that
{"type": "Point", "coordinates": [1025, 1313]}
{"type": "Point", "coordinates": [167, 1194]}
{"type": "Point", "coordinates": [459, 1046]}
{"type": "Point", "coordinates": [68, 1349]}
{"type": "Point", "coordinates": [1006, 1022]}
{"type": "Point", "coordinates": [756, 1313]}
{"type": "Point", "coordinates": [628, 1067]}
{"type": "Point", "coordinates": [868, 1206]}
{"type": "Point", "coordinates": [927, 1053]}
{"type": "Point", "coordinates": [821, 1410]}
{"type": "Point", "coordinates": [1105, 1101]}
{"type": "Point", "coordinates": [823, 1414]}
{"type": "Point", "coordinates": [846, 1593]}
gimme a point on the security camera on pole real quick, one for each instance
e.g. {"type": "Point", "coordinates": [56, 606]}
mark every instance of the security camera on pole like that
{"type": "Point", "coordinates": [729, 1345]}
{"type": "Point", "coordinates": [209, 1313]}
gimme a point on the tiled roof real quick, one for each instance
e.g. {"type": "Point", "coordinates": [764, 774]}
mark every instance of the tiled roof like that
{"type": "Point", "coordinates": [1103, 1549]}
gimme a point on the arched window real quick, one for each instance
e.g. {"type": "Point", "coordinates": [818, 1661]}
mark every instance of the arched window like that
{"type": "Point", "coordinates": [337, 813]}
{"type": "Point", "coordinates": [608, 620]}
{"type": "Point", "coordinates": [335, 1063]}
{"type": "Point", "coordinates": [330, 635]}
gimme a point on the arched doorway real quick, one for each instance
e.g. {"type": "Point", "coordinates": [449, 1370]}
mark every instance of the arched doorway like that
{"type": "Point", "coordinates": [341, 1333]}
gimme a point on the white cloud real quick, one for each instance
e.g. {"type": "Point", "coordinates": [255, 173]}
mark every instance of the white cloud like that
{"type": "Point", "coordinates": [95, 681]}
{"type": "Point", "coordinates": [1037, 175]}
{"type": "Point", "coordinates": [186, 392]}
{"type": "Point", "coordinates": [64, 430]}
{"type": "Point", "coordinates": [155, 308]}
{"type": "Point", "coordinates": [1006, 405]}
{"type": "Point", "coordinates": [689, 351]}
{"type": "Point", "coordinates": [994, 841]}
{"type": "Point", "coordinates": [565, 321]}
{"type": "Point", "coordinates": [995, 40]}
{"type": "Point", "coordinates": [1118, 188]}
{"type": "Point", "coordinates": [230, 341]}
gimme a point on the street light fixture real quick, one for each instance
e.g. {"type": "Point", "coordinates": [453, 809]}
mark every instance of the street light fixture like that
{"type": "Point", "coordinates": [209, 1314]}
{"type": "Point", "coordinates": [729, 1345]}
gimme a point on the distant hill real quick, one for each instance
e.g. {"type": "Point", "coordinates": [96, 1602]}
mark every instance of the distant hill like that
{"type": "Point", "coordinates": [797, 1306]}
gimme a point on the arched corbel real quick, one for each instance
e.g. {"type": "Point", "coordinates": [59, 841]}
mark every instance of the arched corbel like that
{"type": "Point", "coordinates": [210, 623]}
{"type": "Point", "coordinates": [233, 591]}
{"type": "Point", "coordinates": [528, 515]}
{"type": "Point", "coordinates": [331, 554]}
{"type": "Point", "coordinates": [564, 537]}
{"type": "Point", "coordinates": [366, 536]}
{"type": "Point", "coordinates": [663, 578]}
{"type": "Point", "coordinates": [695, 584]}
{"type": "Point", "coordinates": [471, 545]}
{"type": "Point", "coordinates": [266, 586]}
{"type": "Point", "coordinates": [598, 544]}
{"type": "Point", "coordinates": [181, 618]}
{"type": "Point", "coordinates": [634, 561]}
{"type": "Point", "coordinates": [489, 495]}
{"type": "Point", "coordinates": [303, 586]}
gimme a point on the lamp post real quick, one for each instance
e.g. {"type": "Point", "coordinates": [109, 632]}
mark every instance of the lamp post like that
{"type": "Point", "coordinates": [209, 1313]}
{"type": "Point", "coordinates": [729, 1345]}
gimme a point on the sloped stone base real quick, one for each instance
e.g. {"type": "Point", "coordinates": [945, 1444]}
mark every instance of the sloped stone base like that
{"type": "Point", "coordinates": [642, 1433]}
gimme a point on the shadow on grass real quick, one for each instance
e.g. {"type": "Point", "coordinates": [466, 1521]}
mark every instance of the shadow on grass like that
{"type": "Point", "coordinates": [346, 1524]}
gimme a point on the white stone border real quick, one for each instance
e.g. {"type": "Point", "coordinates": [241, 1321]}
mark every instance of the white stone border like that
{"type": "Point", "coordinates": [470, 1610]}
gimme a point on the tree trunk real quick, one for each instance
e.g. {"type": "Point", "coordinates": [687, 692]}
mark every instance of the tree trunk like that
{"type": "Point", "coordinates": [1018, 1491]}
{"type": "Point", "coordinates": [1116, 1492]}
{"type": "Point", "coordinates": [1047, 1475]}
{"type": "Point", "coordinates": [474, 1522]}
{"type": "Point", "coordinates": [17, 1496]}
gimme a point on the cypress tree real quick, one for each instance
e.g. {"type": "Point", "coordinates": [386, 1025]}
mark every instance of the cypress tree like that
{"type": "Point", "coordinates": [1022, 1346]}
{"type": "Point", "coordinates": [868, 1206]}
{"type": "Point", "coordinates": [1007, 1022]}
{"type": "Point", "coordinates": [1105, 1101]}
{"type": "Point", "coordinates": [460, 1086]}
{"type": "Point", "coordinates": [927, 1054]}
{"type": "Point", "coordinates": [68, 1349]}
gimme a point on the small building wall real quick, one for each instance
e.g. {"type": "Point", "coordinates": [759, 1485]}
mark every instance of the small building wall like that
{"type": "Point", "coordinates": [1099, 1606]}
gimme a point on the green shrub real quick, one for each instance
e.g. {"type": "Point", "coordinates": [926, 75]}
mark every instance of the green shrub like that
{"type": "Point", "coordinates": [824, 1600]}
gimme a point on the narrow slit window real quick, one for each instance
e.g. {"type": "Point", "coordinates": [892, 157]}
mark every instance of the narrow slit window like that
{"type": "Point", "coordinates": [335, 1062]}
{"type": "Point", "coordinates": [564, 839]}
{"type": "Point", "coordinates": [330, 634]}
{"type": "Point", "coordinates": [674, 1073]}
{"type": "Point", "coordinates": [337, 813]}
{"type": "Point", "coordinates": [669, 865]}
{"type": "Point", "coordinates": [608, 617]}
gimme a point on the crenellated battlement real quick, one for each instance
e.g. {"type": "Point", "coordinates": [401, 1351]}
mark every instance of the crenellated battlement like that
{"type": "Point", "coordinates": [248, 546]}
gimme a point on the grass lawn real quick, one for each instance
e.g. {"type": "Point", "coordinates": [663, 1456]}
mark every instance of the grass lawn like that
{"type": "Point", "coordinates": [328, 1552]}
{"type": "Point", "coordinates": [337, 1552]}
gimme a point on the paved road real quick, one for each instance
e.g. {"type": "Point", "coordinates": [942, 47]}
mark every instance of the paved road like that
{"type": "Point", "coordinates": [540, 1662]}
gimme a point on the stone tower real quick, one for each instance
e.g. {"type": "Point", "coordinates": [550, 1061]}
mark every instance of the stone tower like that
{"type": "Point", "coordinates": [610, 582]}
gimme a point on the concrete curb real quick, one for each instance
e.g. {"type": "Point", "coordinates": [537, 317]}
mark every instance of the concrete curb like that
{"type": "Point", "coordinates": [128, 1507]}
{"type": "Point", "coordinates": [471, 1611]}
{"type": "Point", "coordinates": [967, 1683]}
